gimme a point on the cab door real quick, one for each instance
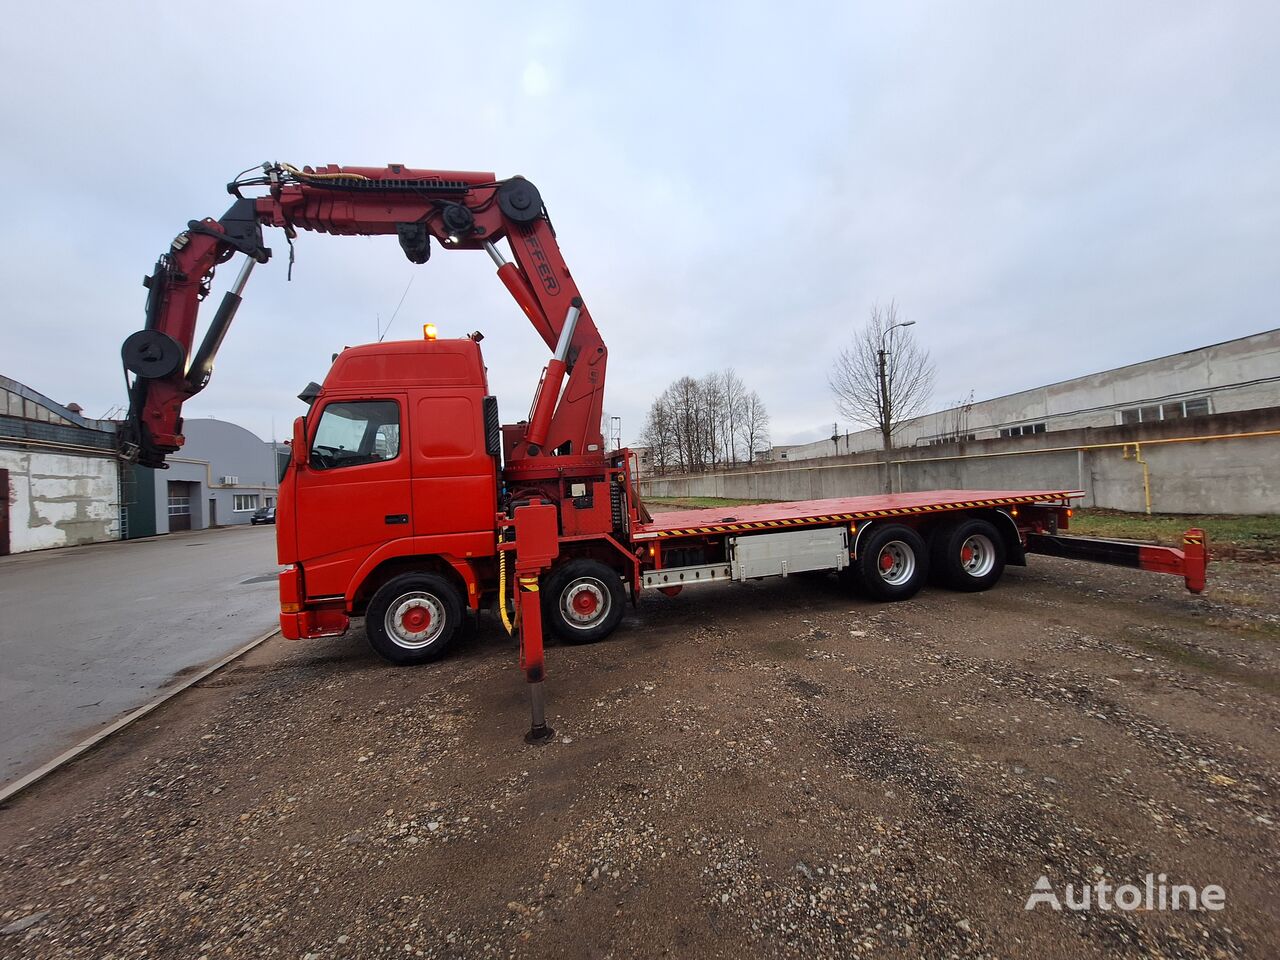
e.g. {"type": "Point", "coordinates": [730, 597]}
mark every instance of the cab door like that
{"type": "Point", "coordinates": [354, 493]}
{"type": "Point", "coordinates": [455, 474]}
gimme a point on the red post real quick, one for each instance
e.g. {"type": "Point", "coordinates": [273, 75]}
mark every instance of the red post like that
{"type": "Point", "coordinates": [532, 659]}
{"type": "Point", "coordinates": [1195, 550]}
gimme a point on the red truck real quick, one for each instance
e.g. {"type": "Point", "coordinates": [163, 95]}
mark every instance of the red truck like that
{"type": "Point", "coordinates": [408, 503]}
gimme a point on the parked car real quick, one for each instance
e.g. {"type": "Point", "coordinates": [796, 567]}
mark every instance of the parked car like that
{"type": "Point", "coordinates": [263, 515]}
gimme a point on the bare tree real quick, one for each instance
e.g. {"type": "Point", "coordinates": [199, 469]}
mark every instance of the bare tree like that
{"type": "Point", "coordinates": [735, 400]}
{"type": "Point", "coordinates": [883, 377]}
{"type": "Point", "coordinates": [711, 411]}
{"type": "Point", "coordinates": [688, 423]}
{"type": "Point", "coordinates": [659, 436]}
{"type": "Point", "coordinates": [699, 424]}
{"type": "Point", "coordinates": [958, 418]}
{"type": "Point", "coordinates": [754, 424]}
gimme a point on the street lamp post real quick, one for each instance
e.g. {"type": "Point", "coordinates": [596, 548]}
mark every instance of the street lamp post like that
{"type": "Point", "coordinates": [886, 404]}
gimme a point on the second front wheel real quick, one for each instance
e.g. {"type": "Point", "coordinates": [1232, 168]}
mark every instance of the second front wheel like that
{"type": "Point", "coordinates": [582, 601]}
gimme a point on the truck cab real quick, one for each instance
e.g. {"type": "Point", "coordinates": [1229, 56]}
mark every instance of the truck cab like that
{"type": "Point", "coordinates": [396, 459]}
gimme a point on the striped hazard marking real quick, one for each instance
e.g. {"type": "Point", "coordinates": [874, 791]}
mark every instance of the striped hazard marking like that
{"type": "Point", "coordinates": [740, 526]}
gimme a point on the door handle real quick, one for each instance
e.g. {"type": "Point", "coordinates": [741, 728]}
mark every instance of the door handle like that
{"type": "Point", "coordinates": [396, 518]}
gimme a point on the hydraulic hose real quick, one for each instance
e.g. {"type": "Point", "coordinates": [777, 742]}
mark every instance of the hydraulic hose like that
{"type": "Point", "coordinates": [502, 592]}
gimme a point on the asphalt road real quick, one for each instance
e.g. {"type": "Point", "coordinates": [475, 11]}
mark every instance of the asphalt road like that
{"type": "Point", "coordinates": [88, 633]}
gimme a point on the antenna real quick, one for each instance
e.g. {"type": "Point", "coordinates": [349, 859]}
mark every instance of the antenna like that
{"type": "Point", "coordinates": [383, 333]}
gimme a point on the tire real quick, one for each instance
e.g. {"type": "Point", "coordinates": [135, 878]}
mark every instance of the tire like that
{"type": "Point", "coordinates": [414, 618]}
{"type": "Point", "coordinates": [967, 555]}
{"type": "Point", "coordinates": [892, 563]}
{"type": "Point", "coordinates": [583, 601]}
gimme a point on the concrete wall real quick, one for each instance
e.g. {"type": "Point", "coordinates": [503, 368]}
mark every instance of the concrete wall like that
{"type": "Point", "coordinates": [1193, 466]}
{"type": "Point", "coordinates": [59, 499]}
{"type": "Point", "coordinates": [1242, 374]}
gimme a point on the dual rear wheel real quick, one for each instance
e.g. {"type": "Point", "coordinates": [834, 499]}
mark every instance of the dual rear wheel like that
{"type": "Point", "coordinates": [967, 554]}
{"type": "Point", "coordinates": [893, 560]}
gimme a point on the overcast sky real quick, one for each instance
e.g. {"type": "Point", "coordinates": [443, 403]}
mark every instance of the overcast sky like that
{"type": "Point", "coordinates": [1047, 192]}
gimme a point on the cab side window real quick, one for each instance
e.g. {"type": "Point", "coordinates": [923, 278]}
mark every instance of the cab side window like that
{"type": "Point", "coordinates": [354, 433]}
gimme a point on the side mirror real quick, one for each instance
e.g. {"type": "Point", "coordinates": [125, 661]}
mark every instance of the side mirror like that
{"type": "Point", "coordinates": [298, 453]}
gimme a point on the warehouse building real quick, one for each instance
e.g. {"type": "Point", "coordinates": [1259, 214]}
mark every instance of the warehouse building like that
{"type": "Point", "coordinates": [222, 474]}
{"type": "Point", "coordinates": [1237, 375]}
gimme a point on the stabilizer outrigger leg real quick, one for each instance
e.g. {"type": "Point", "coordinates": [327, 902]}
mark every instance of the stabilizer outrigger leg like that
{"type": "Point", "coordinates": [532, 661]}
{"type": "Point", "coordinates": [536, 546]}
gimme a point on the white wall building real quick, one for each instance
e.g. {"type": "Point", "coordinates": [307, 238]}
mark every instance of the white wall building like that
{"type": "Point", "coordinates": [59, 476]}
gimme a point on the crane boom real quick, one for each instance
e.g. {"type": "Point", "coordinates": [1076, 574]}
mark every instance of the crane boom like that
{"type": "Point", "coordinates": [461, 210]}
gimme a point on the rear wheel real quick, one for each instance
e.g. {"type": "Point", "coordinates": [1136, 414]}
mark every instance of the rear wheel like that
{"type": "Point", "coordinates": [968, 555]}
{"type": "Point", "coordinates": [892, 563]}
{"type": "Point", "coordinates": [583, 601]}
{"type": "Point", "coordinates": [414, 618]}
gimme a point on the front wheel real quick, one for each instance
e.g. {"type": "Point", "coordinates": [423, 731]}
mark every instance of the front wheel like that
{"type": "Point", "coordinates": [892, 563]}
{"type": "Point", "coordinates": [413, 618]}
{"type": "Point", "coordinates": [583, 601]}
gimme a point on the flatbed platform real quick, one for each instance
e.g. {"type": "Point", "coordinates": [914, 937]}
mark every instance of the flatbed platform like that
{"type": "Point", "coordinates": [747, 518]}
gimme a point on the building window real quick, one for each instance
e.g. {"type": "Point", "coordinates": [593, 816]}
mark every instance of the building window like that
{"type": "Point", "coordinates": [244, 502]}
{"type": "Point", "coordinates": [1025, 430]}
{"type": "Point", "coordinates": [351, 434]}
{"type": "Point", "coordinates": [179, 505]}
{"type": "Point", "coordinates": [1173, 410]}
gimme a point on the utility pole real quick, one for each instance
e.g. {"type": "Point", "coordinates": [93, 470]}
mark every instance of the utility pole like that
{"type": "Point", "coordinates": [886, 421]}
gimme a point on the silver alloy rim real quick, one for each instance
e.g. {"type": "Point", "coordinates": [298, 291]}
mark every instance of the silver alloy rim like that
{"type": "Point", "coordinates": [896, 563]}
{"type": "Point", "coordinates": [580, 593]}
{"type": "Point", "coordinates": [415, 620]}
{"type": "Point", "coordinates": [981, 554]}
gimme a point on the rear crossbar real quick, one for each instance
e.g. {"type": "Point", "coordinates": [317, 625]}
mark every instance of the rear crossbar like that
{"type": "Point", "coordinates": [1191, 562]}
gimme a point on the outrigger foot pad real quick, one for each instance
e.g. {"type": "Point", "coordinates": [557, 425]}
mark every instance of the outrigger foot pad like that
{"type": "Point", "coordinates": [539, 735]}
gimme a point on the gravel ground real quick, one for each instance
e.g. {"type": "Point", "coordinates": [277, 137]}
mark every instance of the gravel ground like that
{"type": "Point", "coordinates": [773, 770]}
